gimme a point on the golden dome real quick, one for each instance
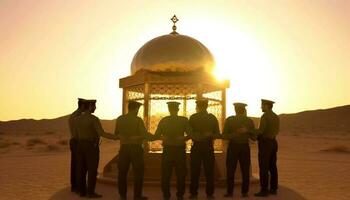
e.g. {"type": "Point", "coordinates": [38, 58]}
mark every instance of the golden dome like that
{"type": "Point", "coordinates": [172, 53]}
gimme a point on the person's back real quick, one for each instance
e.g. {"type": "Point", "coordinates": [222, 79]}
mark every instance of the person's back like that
{"type": "Point", "coordinates": [85, 127]}
{"type": "Point", "coordinates": [205, 128]}
{"type": "Point", "coordinates": [238, 130]}
{"type": "Point", "coordinates": [89, 130]}
{"type": "Point", "coordinates": [234, 123]}
{"type": "Point", "coordinates": [172, 128]}
{"type": "Point", "coordinates": [129, 125]}
{"type": "Point", "coordinates": [88, 149]}
{"type": "Point", "coordinates": [73, 145]}
{"type": "Point", "coordinates": [131, 131]}
{"type": "Point", "coordinates": [71, 123]}
{"type": "Point", "coordinates": [204, 125]}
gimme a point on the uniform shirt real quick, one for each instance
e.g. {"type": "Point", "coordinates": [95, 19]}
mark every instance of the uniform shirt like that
{"type": "Point", "coordinates": [269, 125]}
{"type": "Point", "coordinates": [88, 127]}
{"type": "Point", "coordinates": [204, 126]}
{"type": "Point", "coordinates": [71, 123]}
{"type": "Point", "coordinates": [172, 128]}
{"type": "Point", "coordinates": [233, 123]}
{"type": "Point", "coordinates": [128, 125]}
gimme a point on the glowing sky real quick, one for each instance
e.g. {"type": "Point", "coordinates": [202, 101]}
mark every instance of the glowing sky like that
{"type": "Point", "coordinates": [295, 52]}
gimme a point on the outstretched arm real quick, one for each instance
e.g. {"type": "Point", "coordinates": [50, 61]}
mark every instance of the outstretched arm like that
{"type": "Point", "coordinates": [159, 132]}
{"type": "Point", "coordinates": [101, 132]}
{"type": "Point", "coordinates": [142, 133]}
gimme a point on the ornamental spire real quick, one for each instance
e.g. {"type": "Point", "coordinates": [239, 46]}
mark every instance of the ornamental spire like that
{"type": "Point", "coordinates": [174, 19]}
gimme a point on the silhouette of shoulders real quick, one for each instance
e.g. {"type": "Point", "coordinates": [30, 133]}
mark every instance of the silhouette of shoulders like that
{"type": "Point", "coordinates": [170, 118]}
{"type": "Point", "coordinates": [129, 116]}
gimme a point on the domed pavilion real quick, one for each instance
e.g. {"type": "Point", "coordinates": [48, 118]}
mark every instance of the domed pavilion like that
{"type": "Point", "coordinates": [172, 67]}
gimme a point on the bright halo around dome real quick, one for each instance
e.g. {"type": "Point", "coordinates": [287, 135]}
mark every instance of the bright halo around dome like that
{"type": "Point", "coordinates": [246, 63]}
{"type": "Point", "coordinates": [244, 58]}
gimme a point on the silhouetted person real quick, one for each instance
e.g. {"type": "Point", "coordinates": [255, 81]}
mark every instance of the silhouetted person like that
{"type": "Point", "coordinates": [131, 131]}
{"type": "Point", "coordinates": [89, 131]}
{"type": "Point", "coordinates": [172, 129]}
{"type": "Point", "coordinates": [238, 130]}
{"type": "Point", "coordinates": [73, 145]}
{"type": "Point", "coordinates": [267, 144]}
{"type": "Point", "coordinates": [205, 128]}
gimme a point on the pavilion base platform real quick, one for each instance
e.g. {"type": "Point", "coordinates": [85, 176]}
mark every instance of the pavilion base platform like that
{"type": "Point", "coordinates": [152, 175]}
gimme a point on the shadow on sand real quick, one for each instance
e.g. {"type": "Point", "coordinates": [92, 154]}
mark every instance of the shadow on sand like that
{"type": "Point", "coordinates": [153, 192]}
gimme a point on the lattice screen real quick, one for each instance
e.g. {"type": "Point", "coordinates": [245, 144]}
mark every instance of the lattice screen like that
{"type": "Point", "coordinates": [185, 94]}
{"type": "Point", "coordinates": [136, 94]}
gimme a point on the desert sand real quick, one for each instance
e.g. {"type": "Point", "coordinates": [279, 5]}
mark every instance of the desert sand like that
{"type": "Point", "coordinates": [310, 167]}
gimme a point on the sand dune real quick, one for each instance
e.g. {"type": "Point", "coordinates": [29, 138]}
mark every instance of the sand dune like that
{"type": "Point", "coordinates": [308, 122]}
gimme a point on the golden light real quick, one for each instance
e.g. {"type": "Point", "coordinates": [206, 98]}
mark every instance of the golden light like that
{"type": "Point", "coordinates": [239, 58]}
{"type": "Point", "coordinates": [244, 61]}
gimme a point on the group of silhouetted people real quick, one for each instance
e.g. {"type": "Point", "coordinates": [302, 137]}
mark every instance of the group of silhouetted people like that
{"type": "Point", "coordinates": [174, 130]}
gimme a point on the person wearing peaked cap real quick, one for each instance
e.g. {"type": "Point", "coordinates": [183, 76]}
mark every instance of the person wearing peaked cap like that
{"type": "Point", "coordinates": [173, 104]}
{"type": "Point", "coordinates": [134, 104]}
{"type": "Point", "coordinates": [238, 129]}
{"type": "Point", "coordinates": [73, 145]}
{"type": "Point", "coordinates": [89, 130]}
{"type": "Point", "coordinates": [205, 129]}
{"type": "Point", "coordinates": [173, 129]}
{"type": "Point", "coordinates": [131, 131]}
{"type": "Point", "coordinates": [202, 101]}
{"type": "Point", "coordinates": [267, 102]}
{"type": "Point", "coordinates": [81, 100]}
{"type": "Point", "coordinates": [240, 105]}
{"type": "Point", "coordinates": [268, 146]}
{"type": "Point", "coordinates": [91, 101]}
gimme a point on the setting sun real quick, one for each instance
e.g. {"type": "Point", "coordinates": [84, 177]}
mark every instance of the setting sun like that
{"type": "Point", "coordinates": [241, 59]}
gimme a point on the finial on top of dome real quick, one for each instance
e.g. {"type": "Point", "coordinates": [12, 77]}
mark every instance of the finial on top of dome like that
{"type": "Point", "coordinates": [174, 19]}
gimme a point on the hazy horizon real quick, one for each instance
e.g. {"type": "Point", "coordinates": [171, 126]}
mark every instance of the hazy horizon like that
{"type": "Point", "coordinates": [52, 52]}
{"type": "Point", "coordinates": [254, 116]}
